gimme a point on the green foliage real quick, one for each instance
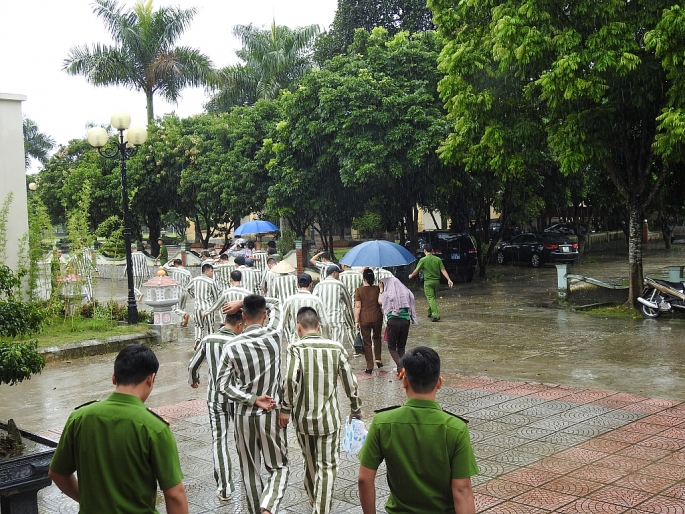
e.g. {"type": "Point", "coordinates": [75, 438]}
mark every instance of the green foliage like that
{"type": "Point", "coordinates": [9, 282]}
{"type": "Point", "coordinates": [18, 361]}
{"type": "Point", "coordinates": [40, 228]}
{"type": "Point", "coordinates": [4, 215]}
{"type": "Point", "coordinates": [272, 59]}
{"type": "Point", "coordinates": [287, 241]}
{"type": "Point", "coordinates": [19, 318]}
{"type": "Point", "coordinates": [78, 225]}
{"type": "Point", "coordinates": [143, 56]}
{"type": "Point", "coordinates": [112, 229]}
{"type": "Point", "coordinates": [36, 144]}
{"type": "Point", "coordinates": [368, 224]}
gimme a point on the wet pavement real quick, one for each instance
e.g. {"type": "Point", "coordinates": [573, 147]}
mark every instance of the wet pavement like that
{"type": "Point", "coordinates": [569, 412]}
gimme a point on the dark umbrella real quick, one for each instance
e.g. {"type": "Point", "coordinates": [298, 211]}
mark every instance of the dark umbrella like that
{"type": "Point", "coordinates": [255, 227]}
{"type": "Point", "coordinates": [378, 254]}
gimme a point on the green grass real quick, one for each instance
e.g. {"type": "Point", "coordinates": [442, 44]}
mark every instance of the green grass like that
{"type": "Point", "coordinates": [614, 311]}
{"type": "Point", "coordinates": [58, 331]}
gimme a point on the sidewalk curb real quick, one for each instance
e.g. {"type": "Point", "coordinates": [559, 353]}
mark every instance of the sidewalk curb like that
{"type": "Point", "coordinates": [97, 346]}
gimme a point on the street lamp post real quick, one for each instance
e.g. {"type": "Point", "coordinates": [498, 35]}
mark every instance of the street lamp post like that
{"type": "Point", "coordinates": [128, 141]}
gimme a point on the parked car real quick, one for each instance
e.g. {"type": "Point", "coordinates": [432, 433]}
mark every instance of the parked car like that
{"type": "Point", "coordinates": [538, 249]}
{"type": "Point", "coordinates": [568, 229]}
{"type": "Point", "coordinates": [456, 250]}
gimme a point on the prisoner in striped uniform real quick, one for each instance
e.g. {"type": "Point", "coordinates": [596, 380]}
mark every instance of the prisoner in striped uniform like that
{"type": "Point", "coordinates": [203, 289]}
{"type": "Point", "coordinates": [259, 258]}
{"type": "Point", "coordinates": [220, 409]}
{"type": "Point", "coordinates": [177, 272]}
{"type": "Point", "coordinates": [303, 298]}
{"type": "Point", "coordinates": [351, 279]}
{"type": "Point", "coordinates": [323, 264]}
{"type": "Point", "coordinates": [268, 275]}
{"type": "Point", "coordinates": [250, 376]}
{"type": "Point", "coordinates": [82, 263]}
{"type": "Point", "coordinates": [140, 271]}
{"type": "Point", "coordinates": [310, 395]}
{"type": "Point", "coordinates": [338, 305]}
{"type": "Point", "coordinates": [283, 283]}
{"type": "Point", "coordinates": [233, 293]}
{"type": "Point", "coordinates": [222, 273]}
{"type": "Point", "coordinates": [381, 273]}
{"type": "Point", "coordinates": [251, 279]}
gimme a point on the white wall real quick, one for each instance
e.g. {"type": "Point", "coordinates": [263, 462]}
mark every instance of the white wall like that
{"type": "Point", "coordinates": [12, 173]}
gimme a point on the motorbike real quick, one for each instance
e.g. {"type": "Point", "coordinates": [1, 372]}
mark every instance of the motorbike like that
{"type": "Point", "coordinates": [661, 296]}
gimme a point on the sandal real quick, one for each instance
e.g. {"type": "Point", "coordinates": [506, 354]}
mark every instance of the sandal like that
{"type": "Point", "coordinates": [379, 364]}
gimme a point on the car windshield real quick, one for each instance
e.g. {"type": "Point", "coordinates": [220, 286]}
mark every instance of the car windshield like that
{"type": "Point", "coordinates": [554, 238]}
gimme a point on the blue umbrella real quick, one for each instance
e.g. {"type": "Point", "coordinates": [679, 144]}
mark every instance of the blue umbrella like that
{"type": "Point", "coordinates": [255, 227]}
{"type": "Point", "coordinates": [378, 254]}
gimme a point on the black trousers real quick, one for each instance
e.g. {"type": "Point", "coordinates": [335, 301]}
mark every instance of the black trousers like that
{"type": "Point", "coordinates": [398, 332]}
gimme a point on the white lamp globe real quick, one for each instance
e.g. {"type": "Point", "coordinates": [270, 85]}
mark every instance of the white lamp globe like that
{"type": "Point", "coordinates": [33, 186]}
{"type": "Point", "coordinates": [97, 137]}
{"type": "Point", "coordinates": [121, 120]}
{"type": "Point", "coordinates": [137, 135]}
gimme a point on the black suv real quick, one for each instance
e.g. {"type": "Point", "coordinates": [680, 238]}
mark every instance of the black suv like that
{"type": "Point", "coordinates": [457, 251]}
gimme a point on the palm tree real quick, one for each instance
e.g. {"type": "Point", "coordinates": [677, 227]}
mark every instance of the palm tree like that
{"type": "Point", "coordinates": [144, 57]}
{"type": "Point", "coordinates": [273, 59]}
{"type": "Point", "coordinates": [36, 144]}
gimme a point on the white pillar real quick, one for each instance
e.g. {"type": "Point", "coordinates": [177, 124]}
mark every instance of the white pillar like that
{"type": "Point", "coordinates": [13, 173]}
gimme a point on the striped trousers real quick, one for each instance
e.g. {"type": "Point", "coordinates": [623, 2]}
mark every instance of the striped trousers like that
{"type": "Point", "coordinates": [219, 416]}
{"type": "Point", "coordinates": [320, 454]}
{"type": "Point", "coordinates": [257, 438]}
{"type": "Point", "coordinates": [203, 324]}
{"type": "Point", "coordinates": [337, 332]}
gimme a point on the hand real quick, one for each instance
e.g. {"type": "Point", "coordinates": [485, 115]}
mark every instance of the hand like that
{"type": "Point", "coordinates": [265, 402]}
{"type": "Point", "coordinates": [449, 283]}
{"type": "Point", "coordinates": [354, 416]}
{"type": "Point", "coordinates": [283, 420]}
{"type": "Point", "coordinates": [356, 325]}
{"type": "Point", "coordinates": [195, 385]}
{"type": "Point", "coordinates": [232, 307]}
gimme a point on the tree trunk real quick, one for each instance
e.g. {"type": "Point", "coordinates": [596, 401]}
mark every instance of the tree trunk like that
{"type": "Point", "coordinates": [329, 233]}
{"type": "Point", "coordinates": [154, 224]}
{"type": "Point", "coordinates": [634, 254]}
{"type": "Point", "coordinates": [150, 111]}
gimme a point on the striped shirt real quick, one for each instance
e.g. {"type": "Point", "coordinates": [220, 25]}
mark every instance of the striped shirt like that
{"type": "Point", "coordinates": [303, 298]}
{"type": "Point", "coordinates": [380, 273]}
{"type": "Point", "coordinates": [229, 295]}
{"type": "Point", "coordinates": [259, 259]}
{"type": "Point", "coordinates": [283, 286]}
{"type": "Point", "coordinates": [251, 279]}
{"type": "Point", "coordinates": [251, 365]}
{"type": "Point", "coordinates": [180, 275]}
{"type": "Point", "coordinates": [210, 349]}
{"type": "Point", "coordinates": [351, 279]}
{"type": "Point", "coordinates": [267, 277]}
{"type": "Point", "coordinates": [139, 264]}
{"type": "Point", "coordinates": [203, 289]}
{"type": "Point", "coordinates": [311, 386]}
{"type": "Point", "coordinates": [336, 300]}
{"type": "Point", "coordinates": [323, 268]}
{"type": "Point", "coordinates": [222, 275]}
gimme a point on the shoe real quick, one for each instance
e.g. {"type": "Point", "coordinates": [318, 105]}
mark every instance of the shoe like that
{"type": "Point", "coordinates": [436, 319]}
{"type": "Point", "coordinates": [368, 371]}
{"type": "Point", "coordinates": [379, 364]}
{"type": "Point", "coordinates": [430, 316]}
{"type": "Point", "coordinates": [197, 343]}
{"type": "Point", "coordinates": [357, 354]}
{"type": "Point", "coordinates": [223, 498]}
{"type": "Point", "coordinates": [400, 373]}
{"type": "Point", "coordinates": [186, 318]}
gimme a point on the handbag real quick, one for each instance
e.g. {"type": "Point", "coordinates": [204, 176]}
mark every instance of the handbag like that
{"type": "Point", "coordinates": [354, 436]}
{"type": "Point", "coordinates": [359, 343]}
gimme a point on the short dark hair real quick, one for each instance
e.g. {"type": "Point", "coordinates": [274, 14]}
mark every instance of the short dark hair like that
{"type": "Point", "coordinates": [326, 255]}
{"type": "Point", "coordinates": [428, 247]}
{"type": "Point", "coordinates": [272, 251]}
{"type": "Point", "coordinates": [223, 257]}
{"type": "Point", "coordinates": [236, 275]}
{"type": "Point", "coordinates": [178, 262]}
{"type": "Point", "coordinates": [368, 275]}
{"type": "Point", "coordinates": [271, 244]}
{"type": "Point", "coordinates": [239, 260]}
{"type": "Point", "coordinates": [270, 260]}
{"type": "Point", "coordinates": [308, 318]}
{"type": "Point", "coordinates": [254, 305]}
{"type": "Point", "coordinates": [134, 364]}
{"type": "Point", "coordinates": [205, 253]}
{"type": "Point", "coordinates": [422, 369]}
{"type": "Point", "coordinates": [233, 319]}
{"type": "Point", "coordinates": [207, 266]}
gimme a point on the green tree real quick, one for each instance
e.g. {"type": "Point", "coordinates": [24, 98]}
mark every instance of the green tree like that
{"type": "Point", "coordinates": [393, 15]}
{"type": "Point", "coordinates": [37, 145]}
{"type": "Point", "coordinates": [587, 77]}
{"type": "Point", "coordinates": [144, 56]}
{"type": "Point", "coordinates": [272, 59]}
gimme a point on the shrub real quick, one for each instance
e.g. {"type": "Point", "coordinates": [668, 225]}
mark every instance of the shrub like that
{"type": "Point", "coordinates": [18, 361]}
{"type": "Point", "coordinates": [19, 318]}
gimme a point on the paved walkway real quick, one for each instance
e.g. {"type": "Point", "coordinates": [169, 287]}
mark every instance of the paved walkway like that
{"type": "Point", "coordinates": [540, 448]}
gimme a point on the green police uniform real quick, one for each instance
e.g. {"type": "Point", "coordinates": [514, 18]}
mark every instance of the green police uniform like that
{"type": "Point", "coordinates": [432, 267]}
{"type": "Point", "coordinates": [120, 451]}
{"type": "Point", "coordinates": [424, 448]}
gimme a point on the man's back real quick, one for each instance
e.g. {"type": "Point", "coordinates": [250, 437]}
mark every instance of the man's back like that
{"type": "Point", "coordinates": [294, 303]}
{"type": "Point", "coordinates": [120, 451]}
{"type": "Point", "coordinates": [337, 301]}
{"type": "Point", "coordinates": [431, 266]}
{"type": "Point", "coordinates": [424, 449]}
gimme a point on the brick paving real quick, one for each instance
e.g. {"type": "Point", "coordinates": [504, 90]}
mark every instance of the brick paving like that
{"type": "Point", "coordinates": [540, 448]}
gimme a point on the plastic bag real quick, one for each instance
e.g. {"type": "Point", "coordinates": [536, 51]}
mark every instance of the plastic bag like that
{"type": "Point", "coordinates": [354, 436]}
